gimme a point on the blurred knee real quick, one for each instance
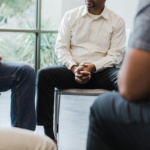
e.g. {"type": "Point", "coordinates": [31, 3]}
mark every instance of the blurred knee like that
{"type": "Point", "coordinates": [27, 71]}
{"type": "Point", "coordinates": [41, 74]}
{"type": "Point", "coordinates": [104, 104]}
{"type": "Point", "coordinates": [17, 139]}
{"type": "Point", "coordinates": [47, 73]}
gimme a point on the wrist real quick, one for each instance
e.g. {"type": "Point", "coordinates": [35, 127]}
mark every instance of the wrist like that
{"type": "Point", "coordinates": [73, 68]}
{"type": "Point", "coordinates": [93, 68]}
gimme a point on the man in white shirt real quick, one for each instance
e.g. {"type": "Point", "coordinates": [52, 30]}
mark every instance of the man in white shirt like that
{"type": "Point", "coordinates": [90, 42]}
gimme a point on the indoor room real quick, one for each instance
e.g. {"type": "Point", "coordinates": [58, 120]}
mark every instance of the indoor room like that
{"type": "Point", "coordinates": [74, 74]}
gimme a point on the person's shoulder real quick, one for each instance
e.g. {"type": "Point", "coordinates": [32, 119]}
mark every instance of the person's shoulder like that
{"type": "Point", "coordinates": [143, 4]}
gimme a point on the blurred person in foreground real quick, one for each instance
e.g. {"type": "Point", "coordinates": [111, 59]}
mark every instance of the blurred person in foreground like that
{"type": "Point", "coordinates": [121, 121]}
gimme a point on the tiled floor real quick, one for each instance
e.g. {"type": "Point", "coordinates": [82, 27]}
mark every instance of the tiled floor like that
{"type": "Point", "coordinates": [74, 116]}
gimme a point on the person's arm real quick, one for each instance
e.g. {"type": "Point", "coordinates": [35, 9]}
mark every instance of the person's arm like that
{"type": "Point", "coordinates": [117, 44]}
{"type": "Point", "coordinates": [134, 76]}
{"type": "Point", "coordinates": [62, 49]}
{"type": "Point", "coordinates": [0, 58]}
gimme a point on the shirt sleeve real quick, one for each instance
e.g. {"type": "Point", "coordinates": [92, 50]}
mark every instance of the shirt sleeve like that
{"type": "Point", "coordinates": [62, 48]}
{"type": "Point", "coordinates": [117, 44]}
{"type": "Point", "coordinates": [140, 37]}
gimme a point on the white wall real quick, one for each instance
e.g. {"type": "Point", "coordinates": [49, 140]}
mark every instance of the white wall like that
{"type": "Point", "coordinates": [52, 11]}
{"type": "Point", "coordinates": [70, 4]}
{"type": "Point", "coordinates": [125, 8]}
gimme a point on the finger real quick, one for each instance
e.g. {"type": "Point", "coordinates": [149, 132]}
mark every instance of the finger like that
{"type": "Point", "coordinates": [81, 81]}
{"type": "Point", "coordinates": [85, 78]}
{"type": "Point", "coordinates": [85, 72]}
{"type": "Point", "coordinates": [80, 68]}
{"type": "Point", "coordinates": [85, 65]}
{"type": "Point", "coordinates": [82, 64]}
{"type": "Point", "coordinates": [78, 80]}
{"type": "Point", "coordinates": [89, 77]}
{"type": "Point", "coordinates": [86, 81]}
{"type": "Point", "coordinates": [78, 75]}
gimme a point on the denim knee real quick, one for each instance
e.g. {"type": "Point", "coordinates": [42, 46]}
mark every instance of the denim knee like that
{"type": "Point", "coordinates": [26, 72]}
{"type": "Point", "coordinates": [41, 73]}
{"type": "Point", "coordinates": [27, 69]}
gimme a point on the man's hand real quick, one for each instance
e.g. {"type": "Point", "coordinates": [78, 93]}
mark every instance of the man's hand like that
{"type": "Point", "coordinates": [81, 76]}
{"type": "Point", "coordinates": [0, 58]}
{"type": "Point", "coordinates": [89, 67]}
{"type": "Point", "coordinates": [85, 74]}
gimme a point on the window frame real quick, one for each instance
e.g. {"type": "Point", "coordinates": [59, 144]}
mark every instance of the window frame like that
{"type": "Point", "coordinates": [38, 31]}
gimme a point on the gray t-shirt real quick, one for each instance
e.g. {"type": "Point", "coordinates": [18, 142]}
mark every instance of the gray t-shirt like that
{"type": "Point", "coordinates": [140, 37]}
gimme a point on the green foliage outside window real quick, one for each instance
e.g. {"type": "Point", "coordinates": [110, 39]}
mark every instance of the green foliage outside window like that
{"type": "Point", "coordinates": [21, 46]}
{"type": "Point", "coordinates": [11, 5]}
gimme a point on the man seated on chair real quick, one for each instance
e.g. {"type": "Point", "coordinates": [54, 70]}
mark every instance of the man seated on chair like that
{"type": "Point", "coordinates": [20, 78]}
{"type": "Point", "coordinates": [90, 42]}
{"type": "Point", "coordinates": [122, 121]}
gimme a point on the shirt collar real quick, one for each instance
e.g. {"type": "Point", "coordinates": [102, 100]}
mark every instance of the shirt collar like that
{"type": "Point", "coordinates": [104, 14]}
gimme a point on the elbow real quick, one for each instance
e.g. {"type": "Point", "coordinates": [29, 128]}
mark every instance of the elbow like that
{"type": "Point", "coordinates": [130, 94]}
{"type": "Point", "coordinates": [134, 92]}
{"type": "Point", "coordinates": [126, 94]}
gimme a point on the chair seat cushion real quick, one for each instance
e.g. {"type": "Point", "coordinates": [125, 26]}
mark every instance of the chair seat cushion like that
{"type": "Point", "coordinates": [89, 92]}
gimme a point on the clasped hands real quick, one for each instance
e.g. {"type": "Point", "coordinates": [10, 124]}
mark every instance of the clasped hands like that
{"type": "Point", "coordinates": [83, 72]}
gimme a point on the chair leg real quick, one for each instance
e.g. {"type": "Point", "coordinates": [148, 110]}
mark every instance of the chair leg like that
{"type": "Point", "coordinates": [56, 112]}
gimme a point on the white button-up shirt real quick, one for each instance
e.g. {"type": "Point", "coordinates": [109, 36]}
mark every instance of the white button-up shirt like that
{"type": "Point", "coordinates": [93, 39]}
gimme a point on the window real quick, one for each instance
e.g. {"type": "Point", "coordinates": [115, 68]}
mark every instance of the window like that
{"type": "Point", "coordinates": [28, 29]}
{"type": "Point", "coordinates": [18, 46]}
{"type": "Point", "coordinates": [28, 32]}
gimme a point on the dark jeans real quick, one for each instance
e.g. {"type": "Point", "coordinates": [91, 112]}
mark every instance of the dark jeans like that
{"type": "Point", "coordinates": [20, 78]}
{"type": "Point", "coordinates": [61, 77]}
{"type": "Point", "coordinates": [117, 124]}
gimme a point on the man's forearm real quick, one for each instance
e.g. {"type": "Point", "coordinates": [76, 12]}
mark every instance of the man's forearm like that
{"type": "Point", "coordinates": [134, 76]}
{"type": "Point", "coordinates": [111, 59]}
{"type": "Point", "coordinates": [73, 68]}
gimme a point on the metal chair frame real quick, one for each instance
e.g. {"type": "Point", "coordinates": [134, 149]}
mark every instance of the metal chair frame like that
{"type": "Point", "coordinates": [79, 92]}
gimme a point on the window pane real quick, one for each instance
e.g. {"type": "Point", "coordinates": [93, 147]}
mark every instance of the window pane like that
{"type": "Point", "coordinates": [17, 47]}
{"type": "Point", "coordinates": [53, 11]}
{"type": "Point", "coordinates": [47, 55]}
{"type": "Point", "coordinates": [18, 14]}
